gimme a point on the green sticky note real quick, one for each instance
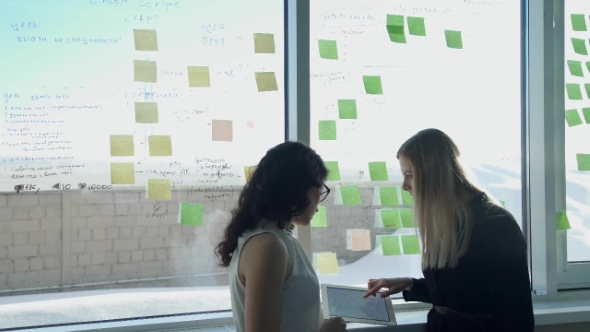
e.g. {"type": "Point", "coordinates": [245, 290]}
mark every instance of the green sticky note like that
{"type": "Point", "coordinates": [578, 22]}
{"type": "Point", "coordinates": [579, 46]}
{"type": "Point", "coordinates": [347, 108]}
{"type": "Point", "coordinates": [583, 161]}
{"type": "Point", "coordinates": [378, 171]}
{"type": "Point", "coordinates": [503, 203]}
{"type": "Point", "coordinates": [390, 218]}
{"type": "Point", "coordinates": [122, 145]}
{"type": "Point", "coordinates": [407, 198]}
{"type": "Point", "coordinates": [410, 244]}
{"type": "Point", "coordinates": [416, 26]}
{"type": "Point", "coordinates": [587, 88]}
{"type": "Point", "coordinates": [146, 112]}
{"type": "Point", "coordinates": [395, 28]}
{"type": "Point", "coordinates": [373, 85]}
{"type": "Point", "coordinates": [390, 245]}
{"type": "Point", "coordinates": [572, 118]}
{"type": "Point", "coordinates": [191, 214]}
{"type": "Point", "coordinates": [454, 39]}
{"type": "Point", "coordinates": [333, 170]}
{"type": "Point", "coordinates": [388, 196]}
{"type": "Point", "coordinates": [575, 68]}
{"type": "Point", "coordinates": [320, 218]}
{"type": "Point", "coordinates": [350, 195]}
{"type": "Point", "coordinates": [588, 65]}
{"type": "Point", "coordinates": [327, 130]}
{"type": "Point", "coordinates": [122, 173]}
{"type": "Point", "coordinates": [574, 92]}
{"type": "Point", "coordinates": [562, 222]}
{"type": "Point", "coordinates": [328, 49]}
{"type": "Point", "coordinates": [586, 114]}
{"type": "Point", "coordinates": [407, 216]}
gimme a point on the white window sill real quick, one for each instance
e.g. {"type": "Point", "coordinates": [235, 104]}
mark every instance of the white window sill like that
{"type": "Point", "coordinates": [546, 313]}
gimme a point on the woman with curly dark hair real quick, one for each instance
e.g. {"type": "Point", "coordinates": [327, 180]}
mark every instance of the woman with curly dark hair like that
{"type": "Point", "coordinates": [272, 282]}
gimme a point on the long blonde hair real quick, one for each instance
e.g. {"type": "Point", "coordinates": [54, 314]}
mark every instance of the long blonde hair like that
{"type": "Point", "coordinates": [441, 193]}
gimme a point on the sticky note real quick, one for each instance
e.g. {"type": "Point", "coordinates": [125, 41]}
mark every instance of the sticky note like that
{"type": "Point", "coordinates": [122, 173]}
{"type": "Point", "coordinates": [160, 145]}
{"type": "Point", "coordinates": [395, 28]}
{"type": "Point", "coordinates": [410, 244]}
{"type": "Point", "coordinates": [145, 71]}
{"type": "Point", "coordinates": [350, 195]}
{"type": "Point", "coordinates": [573, 91]}
{"type": "Point", "coordinates": [373, 85]}
{"type": "Point", "coordinates": [587, 88]}
{"type": "Point", "coordinates": [579, 46]}
{"type": "Point", "coordinates": [248, 172]}
{"type": "Point", "coordinates": [388, 196]}
{"type": "Point", "coordinates": [347, 108]}
{"type": "Point", "coordinates": [320, 218]}
{"type": "Point", "coordinates": [378, 171]}
{"type": "Point", "coordinates": [159, 189]}
{"type": "Point", "coordinates": [328, 49]}
{"type": "Point", "coordinates": [390, 245]}
{"type": "Point", "coordinates": [407, 216]}
{"type": "Point", "coordinates": [583, 161]}
{"type": "Point", "coordinates": [327, 263]}
{"type": "Point", "coordinates": [454, 39]}
{"type": "Point", "coordinates": [586, 114]}
{"type": "Point", "coordinates": [145, 40]}
{"type": "Point", "coordinates": [407, 198]}
{"type": "Point", "coordinates": [358, 239]}
{"type": "Point", "coordinates": [327, 130]}
{"type": "Point", "coordinates": [191, 214]}
{"type": "Point", "coordinates": [333, 170]}
{"type": "Point", "coordinates": [199, 77]}
{"type": "Point", "coordinates": [266, 81]}
{"type": "Point", "coordinates": [575, 68]}
{"type": "Point", "coordinates": [572, 117]}
{"type": "Point", "coordinates": [416, 26]}
{"type": "Point", "coordinates": [146, 112]}
{"type": "Point", "coordinates": [264, 43]}
{"type": "Point", "coordinates": [222, 130]}
{"type": "Point", "coordinates": [503, 203]}
{"type": "Point", "coordinates": [122, 145]}
{"type": "Point", "coordinates": [390, 218]}
{"type": "Point", "coordinates": [578, 22]}
{"type": "Point", "coordinates": [562, 222]}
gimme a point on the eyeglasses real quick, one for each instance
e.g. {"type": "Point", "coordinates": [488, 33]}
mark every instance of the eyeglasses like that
{"type": "Point", "coordinates": [324, 194]}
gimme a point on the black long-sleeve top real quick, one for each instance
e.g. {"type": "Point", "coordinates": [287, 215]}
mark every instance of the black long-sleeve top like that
{"type": "Point", "coordinates": [491, 279]}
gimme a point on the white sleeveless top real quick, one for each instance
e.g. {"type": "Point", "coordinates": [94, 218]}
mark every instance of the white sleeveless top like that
{"type": "Point", "coordinates": [301, 311]}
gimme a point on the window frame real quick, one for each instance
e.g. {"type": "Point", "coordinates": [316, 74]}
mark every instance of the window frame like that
{"type": "Point", "coordinates": [570, 275]}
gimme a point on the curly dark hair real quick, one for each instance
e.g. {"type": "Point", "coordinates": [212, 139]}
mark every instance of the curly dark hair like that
{"type": "Point", "coordinates": [277, 192]}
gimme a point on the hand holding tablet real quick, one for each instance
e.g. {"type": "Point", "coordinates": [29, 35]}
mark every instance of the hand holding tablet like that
{"type": "Point", "coordinates": [350, 304]}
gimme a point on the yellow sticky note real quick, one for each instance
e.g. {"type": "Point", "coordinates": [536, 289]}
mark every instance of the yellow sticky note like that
{"type": "Point", "coordinates": [222, 130]}
{"type": "Point", "coordinates": [159, 189]}
{"type": "Point", "coordinates": [199, 77]}
{"type": "Point", "coordinates": [122, 173]}
{"type": "Point", "coordinates": [145, 71]}
{"type": "Point", "coordinates": [160, 145]}
{"type": "Point", "coordinates": [358, 239]}
{"type": "Point", "coordinates": [327, 263]}
{"type": "Point", "coordinates": [264, 43]}
{"type": "Point", "coordinates": [146, 112]}
{"type": "Point", "coordinates": [145, 40]}
{"type": "Point", "coordinates": [266, 81]}
{"type": "Point", "coordinates": [122, 145]}
{"type": "Point", "coordinates": [248, 171]}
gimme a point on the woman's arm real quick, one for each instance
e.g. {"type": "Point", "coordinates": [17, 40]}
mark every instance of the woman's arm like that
{"type": "Point", "coordinates": [263, 268]}
{"type": "Point", "coordinates": [417, 291]}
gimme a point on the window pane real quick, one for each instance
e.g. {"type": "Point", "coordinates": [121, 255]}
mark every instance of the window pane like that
{"type": "Point", "coordinates": [126, 131]}
{"type": "Point", "coordinates": [577, 115]}
{"type": "Point", "coordinates": [382, 72]}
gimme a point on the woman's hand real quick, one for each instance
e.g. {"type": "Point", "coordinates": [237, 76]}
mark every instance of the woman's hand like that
{"type": "Point", "coordinates": [393, 285]}
{"type": "Point", "coordinates": [334, 324]}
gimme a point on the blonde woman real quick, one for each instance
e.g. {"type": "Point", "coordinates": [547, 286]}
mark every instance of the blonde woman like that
{"type": "Point", "coordinates": [474, 257]}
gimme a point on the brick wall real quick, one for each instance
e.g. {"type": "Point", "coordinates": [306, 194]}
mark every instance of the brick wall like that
{"type": "Point", "coordinates": [72, 238]}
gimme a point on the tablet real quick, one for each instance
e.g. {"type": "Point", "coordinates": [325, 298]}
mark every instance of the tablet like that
{"type": "Point", "coordinates": [348, 303]}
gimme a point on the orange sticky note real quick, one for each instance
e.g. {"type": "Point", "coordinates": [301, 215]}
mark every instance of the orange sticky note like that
{"type": "Point", "coordinates": [358, 239]}
{"type": "Point", "coordinates": [222, 130]}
